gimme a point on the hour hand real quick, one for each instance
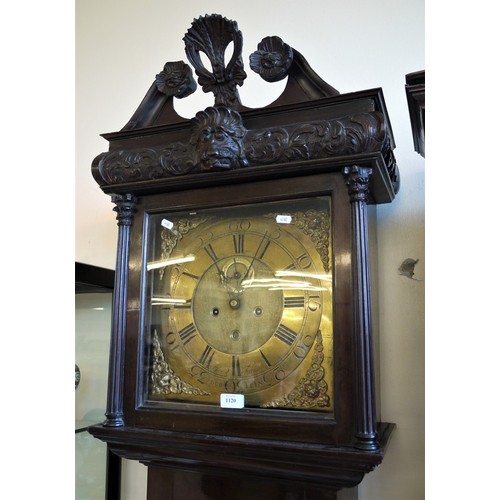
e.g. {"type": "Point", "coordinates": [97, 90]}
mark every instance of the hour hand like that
{"type": "Point", "coordinates": [234, 271]}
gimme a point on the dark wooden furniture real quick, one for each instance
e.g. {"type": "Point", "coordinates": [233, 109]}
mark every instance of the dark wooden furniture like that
{"type": "Point", "coordinates": [415, 94]}
{"type": "Point", "coordinates": [94, 279]}
{"type": "Point", "coordinates": [312, 141]}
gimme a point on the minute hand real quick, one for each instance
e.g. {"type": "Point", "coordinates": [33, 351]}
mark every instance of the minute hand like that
{"type": "Point", "coordinates": [255, 256]}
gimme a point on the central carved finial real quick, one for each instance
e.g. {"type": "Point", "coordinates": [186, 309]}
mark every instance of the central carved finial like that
{"type": "Point", "coordinates": [212, 35]}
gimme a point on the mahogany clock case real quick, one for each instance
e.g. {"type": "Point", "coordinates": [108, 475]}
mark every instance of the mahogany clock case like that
{"type": "Point", "coordinates": [312, 142]}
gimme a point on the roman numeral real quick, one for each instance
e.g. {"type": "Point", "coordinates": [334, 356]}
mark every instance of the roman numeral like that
{"type": "Point", "coordinates": [298, 301]}
{"type": "Point", "coordinates": [265, 359]}
{"type": "Point", "coordinates": [188, 333]}
{"type": "Point", "coordinates": [207, 356]}
{"type": "Point", "coordinates": [239, 243]}
{"type": "Point", "coordinates": [286, 335]}
{"type": "Point", "coordinates": [304, 261]}
{"type": "Point", "coordinates": [236, 370]}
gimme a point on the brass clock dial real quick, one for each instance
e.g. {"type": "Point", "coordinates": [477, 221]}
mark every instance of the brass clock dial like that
{"type": "Point", "coordinates": [241, 302]}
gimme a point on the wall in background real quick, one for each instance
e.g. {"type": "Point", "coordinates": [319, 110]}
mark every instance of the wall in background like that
{"type": "Point", "coordinates": [122, 44]}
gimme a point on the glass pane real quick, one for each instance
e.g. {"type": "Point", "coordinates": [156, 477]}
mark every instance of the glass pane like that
{"type": "Point", "coordinates": [239, 301]}
{"type": "Point", "coordinates": [92, 336]}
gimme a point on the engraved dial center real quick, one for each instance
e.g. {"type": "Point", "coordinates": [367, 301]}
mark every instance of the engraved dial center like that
{"type": "Point", "coordinates": [230, 316]}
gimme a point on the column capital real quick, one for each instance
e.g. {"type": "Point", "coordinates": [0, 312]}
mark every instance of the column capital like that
{"type": "Point", "coordinates": [125, 204]}
{"type": "Point", "coordinates": [357, 179]}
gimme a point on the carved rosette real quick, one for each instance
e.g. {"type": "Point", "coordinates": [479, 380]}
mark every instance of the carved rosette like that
{"type": "Point", "coordinates": [176, 80]}
{"type": "Point", "coordinates": [272, 59]}
{"type": "Point", "coordinates": [163, 380]}
{"type": "Point", "coordinates": [312, 390]}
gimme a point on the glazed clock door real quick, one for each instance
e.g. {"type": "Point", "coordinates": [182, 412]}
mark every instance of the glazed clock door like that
{"type": "Point", "coordinates": [239, 302]}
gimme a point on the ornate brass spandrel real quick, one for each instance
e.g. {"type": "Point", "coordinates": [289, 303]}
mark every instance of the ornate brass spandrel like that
{"type": "Point", "coordinates": [315, 224]}
{"type": "Point", "coordinates": [163, 379]}
{"type": "Point", "coordinates": [312, 390]}
{"type": "Point", "coordinates": [170, 237]}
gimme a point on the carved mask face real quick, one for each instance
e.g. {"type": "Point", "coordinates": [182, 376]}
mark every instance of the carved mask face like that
{"type": "Point", "coordinates": [218, 137]}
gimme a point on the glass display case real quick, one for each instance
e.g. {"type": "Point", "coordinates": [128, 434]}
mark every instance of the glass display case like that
{"type": "Point", "coordinates": [97, 470]}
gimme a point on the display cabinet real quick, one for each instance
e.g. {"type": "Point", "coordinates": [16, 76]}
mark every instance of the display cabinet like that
{"type": "Point", "coordinates": [242, 359]}
{"type": "Point", "coordinates": [97, 469]}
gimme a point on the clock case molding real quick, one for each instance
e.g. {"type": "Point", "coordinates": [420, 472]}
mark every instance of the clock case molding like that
{"type": "Point", "coordinates": [313, 140]}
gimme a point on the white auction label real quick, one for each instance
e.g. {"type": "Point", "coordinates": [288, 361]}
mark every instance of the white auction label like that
{"type": "Point", "coordinates": [283, 219]}
{"type": "Point", "coordinates": [232, 401]}
{"type": "Point", "coordinates": [168, 224]}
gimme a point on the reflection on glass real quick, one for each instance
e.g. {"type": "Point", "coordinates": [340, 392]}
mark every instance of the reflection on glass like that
{"type": "Point", "coordinates": [169, 262]}
{"type": "Point", "coordinates": [318, 276]}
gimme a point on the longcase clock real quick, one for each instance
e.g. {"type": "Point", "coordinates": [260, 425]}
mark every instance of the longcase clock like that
{"type": "Point", "coordinates": [242, 359]}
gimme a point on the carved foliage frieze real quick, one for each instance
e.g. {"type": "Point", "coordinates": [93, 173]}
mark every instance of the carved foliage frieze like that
{"type": "Point", "coordinates": [220, 141]}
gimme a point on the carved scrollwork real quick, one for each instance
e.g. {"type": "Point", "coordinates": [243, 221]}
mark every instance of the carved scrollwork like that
{"type": "Point", "coordinates": [311, 391]}
{"type": "Point", "coordinates": [220, 141]}
{"type": "Point", "coordinates": [361, 133]}
{"type": "Point", "coordinates": [393, 170]}
{"type": "Point", "coordinates": [145, 163]}
{"type": "Point", "coordinates": [272, 59]}
{"type": "Point", "coordinates": [212, 35]}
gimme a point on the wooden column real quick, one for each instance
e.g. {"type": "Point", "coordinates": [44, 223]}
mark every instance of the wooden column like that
{"type": "Point", "coordinates": [357, 179]}
{"type": "Point", "coordinates": [114, 411]}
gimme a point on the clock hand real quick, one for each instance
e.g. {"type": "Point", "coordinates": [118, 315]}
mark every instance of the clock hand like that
{"type": "Point", "coordinates": [222, 276]}
{"type": "Point", "coordinates": [254, 257]}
